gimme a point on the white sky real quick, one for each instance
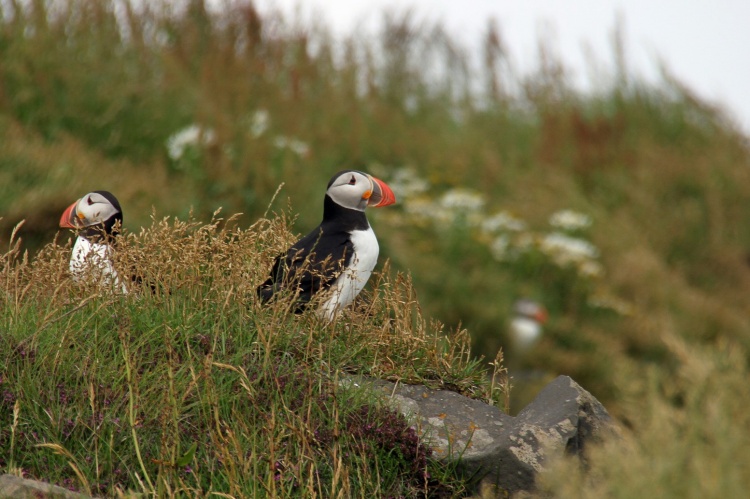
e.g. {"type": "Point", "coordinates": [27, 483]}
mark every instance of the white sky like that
{"type": "Point", "coordinates": [706, 44]}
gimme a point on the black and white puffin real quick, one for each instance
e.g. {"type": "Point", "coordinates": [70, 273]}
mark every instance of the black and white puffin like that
{"type": "Point", "coordinates": [97, 218]}
{"type": "Point", "coordinates": [338, 256]}
{"type": "Point", "coordinates": [526, 324]}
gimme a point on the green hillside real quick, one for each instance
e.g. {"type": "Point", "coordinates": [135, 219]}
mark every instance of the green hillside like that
{"type": "Point", "coordinates": [624, 209]}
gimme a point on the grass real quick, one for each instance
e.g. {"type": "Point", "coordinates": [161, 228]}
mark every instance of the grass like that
{"type": "Point", "coordinates": [687, 438]}
{"type": "Point", "coordinates": [662, 174]}
{"type": "Point", "coordinates": [196, 389]}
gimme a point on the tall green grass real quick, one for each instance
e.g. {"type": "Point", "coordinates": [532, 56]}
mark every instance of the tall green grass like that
{"type": "Point", "coordinates": [193, 388]}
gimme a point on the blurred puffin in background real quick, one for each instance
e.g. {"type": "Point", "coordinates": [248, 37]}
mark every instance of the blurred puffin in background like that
{"type": "Point", "coordinates": [338, 256]}
{"type": "Point", "coordinates": [526, 325]}
{"type": "Point", "coordinates": [97, 219]}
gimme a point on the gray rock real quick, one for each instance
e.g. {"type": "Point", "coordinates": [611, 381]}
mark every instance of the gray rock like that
{"type": "Point", "coordinates": [15, 487]}
{"type": "Point", "coordinates": [499, 450]}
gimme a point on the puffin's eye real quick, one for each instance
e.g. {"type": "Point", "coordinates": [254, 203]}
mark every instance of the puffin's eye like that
{"type": "Point", "coordinates": [352, 181]}
{"type": "Point", "coordinates": [90, 201]}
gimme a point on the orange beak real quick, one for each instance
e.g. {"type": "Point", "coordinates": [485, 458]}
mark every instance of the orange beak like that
{"type": "Point", "coordinates": [541, 315]}
{"type": "Point", "coordinates": [69, 217]}
{"type": "Point", "coordinates": [381, 194]}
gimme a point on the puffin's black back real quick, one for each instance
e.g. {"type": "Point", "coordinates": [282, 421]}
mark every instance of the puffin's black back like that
{"type": "Point", "coordinates": [314, 262]}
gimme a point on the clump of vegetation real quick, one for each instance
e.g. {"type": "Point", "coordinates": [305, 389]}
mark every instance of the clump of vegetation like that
{"type": "Point", "coordinates": [687, 435]}
{"type": "Point", "coordinates": [187, 385]}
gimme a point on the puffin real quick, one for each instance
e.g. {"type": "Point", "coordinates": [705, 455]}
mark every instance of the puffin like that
{"type": "Point", "coordinates": [526, 324]}
{"type": "Point", "coordinates": [336, 258]}
{"type": "Point", "coordinates": [97, 218]}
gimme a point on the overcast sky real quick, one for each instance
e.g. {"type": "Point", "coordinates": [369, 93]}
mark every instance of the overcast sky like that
{"type": "Point", "coordinates": [706, 44]}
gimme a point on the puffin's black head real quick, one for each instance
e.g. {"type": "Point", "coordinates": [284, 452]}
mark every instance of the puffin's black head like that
{"type": "Point", "coordinates": [95, 214]}
{"type": "Point", "coordinates": [357, 190]}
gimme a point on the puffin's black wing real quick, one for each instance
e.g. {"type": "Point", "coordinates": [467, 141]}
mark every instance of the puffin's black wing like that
{"type": "Point", "coordinates": [312, 264]}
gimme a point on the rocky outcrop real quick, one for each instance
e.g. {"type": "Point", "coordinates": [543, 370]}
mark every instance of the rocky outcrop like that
{"type": "Point", "coordinates": [503, 451]}
{"type": "Point", "coordinates": [21, 488]}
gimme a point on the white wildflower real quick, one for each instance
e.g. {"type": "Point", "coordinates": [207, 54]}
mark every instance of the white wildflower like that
{"type": "Point", "coordinates": [441, 216]}
{"type": "Point", "coordinates": [406, 183]}
{"type": "Point", "coordinates": [570, 220]}
{"type": "Point", "coordinates": [192, 135]}
{"type": "Point", "coordinates": [564, 249]}
{"type": "Point", "coordinates": [298, 147]}
{"type": "Point", "coordinates": [500, 247]}
{"type": "Point", "coordinates": [590, 268]}
{"type": "Point", "coordinates": [462, 200]}
{"type": "Point", "coordinates": [503, 221]}
{"type": "Point", "coordinates": [259, 123]}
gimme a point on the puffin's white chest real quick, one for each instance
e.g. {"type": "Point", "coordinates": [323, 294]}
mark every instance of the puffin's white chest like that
{"type": "Point", "coordinates": [93, 261]}
{"type": "Point", "coordinates": [525, 332]}
{"type": "Point", "coordinates": [353, 279]}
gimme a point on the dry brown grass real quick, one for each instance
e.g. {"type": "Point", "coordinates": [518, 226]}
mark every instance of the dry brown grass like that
{"type": "Point", "coordinates": [192, 360]}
